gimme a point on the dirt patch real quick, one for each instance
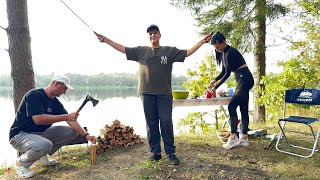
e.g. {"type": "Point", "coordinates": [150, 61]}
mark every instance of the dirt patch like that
{"type": "Point", "coordinates": [202, 157]}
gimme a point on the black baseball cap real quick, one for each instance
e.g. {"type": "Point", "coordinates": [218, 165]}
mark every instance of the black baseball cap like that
{"type": "Point", "coordinates": [153, 27]}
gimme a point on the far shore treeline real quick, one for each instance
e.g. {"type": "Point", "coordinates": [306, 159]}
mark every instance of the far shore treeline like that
{"type": "Point", "coordinates": [80, 82]}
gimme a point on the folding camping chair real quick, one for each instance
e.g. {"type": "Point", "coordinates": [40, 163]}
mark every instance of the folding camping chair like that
{"type": "Point", "coordinates": [302, 96]}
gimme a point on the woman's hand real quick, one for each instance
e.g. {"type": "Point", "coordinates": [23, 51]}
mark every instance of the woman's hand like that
{"type": "Point", "coordinates": [211, 87]}
{"type": "Point", "coordinates": [213, 90]}
{"type": "Point", "coordinates": [212, 83]}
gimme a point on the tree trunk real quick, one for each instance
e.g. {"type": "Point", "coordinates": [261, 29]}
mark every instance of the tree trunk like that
{"type": "Point", "coordinates": [19, 49]}
{"type": "Point", "coordinates": [259, 58]}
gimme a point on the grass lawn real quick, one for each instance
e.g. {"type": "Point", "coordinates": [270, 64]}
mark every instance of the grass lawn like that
{"type": "Point", "coordinates": [202, 157]}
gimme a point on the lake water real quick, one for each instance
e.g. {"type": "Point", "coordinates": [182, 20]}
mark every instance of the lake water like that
{"type": "Point", "coordinates": [124, 105]}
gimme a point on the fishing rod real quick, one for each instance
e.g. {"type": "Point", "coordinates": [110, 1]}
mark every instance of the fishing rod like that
{"type": "Point", "coordinates": [78, 17]}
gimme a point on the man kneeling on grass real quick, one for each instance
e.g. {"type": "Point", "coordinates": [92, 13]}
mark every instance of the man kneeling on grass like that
{"type": "Point", "coordinates": [32, 132]}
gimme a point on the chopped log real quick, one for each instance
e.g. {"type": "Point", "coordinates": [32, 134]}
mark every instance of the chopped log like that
{"type": "Point", "coordinates": [100, 150]}
{"type": "Point", "coordinates": [126, 135]}
{"type": "Point", "coordinates": [93, 154]}
{"type": "Point", "coordinates": [99, 146]}
{"type": "Point", "coordinates": [104, 146]}
{"type": "Point", "coordinates": [116, 122]}
{"type": "Point", "coordinates": [121, 142]}
{"type": "Point", "coordinates": [111, 142]}
{"type": "Point", "coordinates": [132, 143]}
{"type": "Point", "coordinates": [119, 138]}
{"type": "Point", "coordinates": [116, 142]}
{"type": "Point", "coordinates": [108, 129]}
{"type": "Point", "coordinates": [112, 127]}
{"type": "Point", "coordinates": [110, 134]}
{"type": "Point", "coordinates": [125, 129]}
{"type": "Point", "coordinates": [117, 135]}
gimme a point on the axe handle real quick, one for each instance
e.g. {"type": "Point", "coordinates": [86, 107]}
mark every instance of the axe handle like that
{"type": "Point", "coordinates": [82, 105]}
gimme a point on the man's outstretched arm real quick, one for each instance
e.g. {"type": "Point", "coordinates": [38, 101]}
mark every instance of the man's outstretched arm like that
{"type": "Point", "coordinates": [199, 44]}
{"type": "Point", "coordinates": [113, 44]}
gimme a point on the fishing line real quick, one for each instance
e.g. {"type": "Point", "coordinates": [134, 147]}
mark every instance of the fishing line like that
{"type": "Point", "coordinates": [78, 16]}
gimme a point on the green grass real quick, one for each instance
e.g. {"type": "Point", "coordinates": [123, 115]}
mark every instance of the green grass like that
{"type": "Point", "coordinates": [2, 169]}
{"type": "Point", "coordinates": [201, 155]}
{"type": "Point", "coordinates": [148, 169]}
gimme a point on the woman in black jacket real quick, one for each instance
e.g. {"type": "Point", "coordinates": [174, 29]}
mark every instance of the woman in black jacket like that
{"type": "Point", "coordinates": [232, 61]}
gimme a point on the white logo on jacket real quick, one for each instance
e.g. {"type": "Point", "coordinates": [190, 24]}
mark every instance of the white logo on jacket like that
{"type": "Point", "coordinates": [164, 60]}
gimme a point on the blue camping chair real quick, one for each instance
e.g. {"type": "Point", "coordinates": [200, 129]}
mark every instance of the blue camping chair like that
{"type": "Point", "coordinates": [302, 96]}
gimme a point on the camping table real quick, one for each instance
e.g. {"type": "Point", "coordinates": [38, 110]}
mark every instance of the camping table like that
{"type": "Point", "coordinates": [204, 102]}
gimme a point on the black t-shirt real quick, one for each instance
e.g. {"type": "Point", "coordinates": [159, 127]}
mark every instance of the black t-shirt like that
{"type": "Point", "coordinates": [231, 61]}
{"type": "Point", "coordinates": [34, 102]}
{"type": "Point", "coordinates": [155, 67]}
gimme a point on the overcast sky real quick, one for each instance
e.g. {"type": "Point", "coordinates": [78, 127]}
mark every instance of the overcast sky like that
{"type": "Point", "coordinates": [61, 43]}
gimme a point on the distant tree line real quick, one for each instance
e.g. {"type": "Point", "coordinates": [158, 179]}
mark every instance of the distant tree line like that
{"type": "Point", "coordinates": [80, 80]}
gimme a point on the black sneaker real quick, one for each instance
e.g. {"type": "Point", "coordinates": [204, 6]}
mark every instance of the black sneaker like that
{"type": "Point", "coordinates": [155, 157]}
{"type": "Point", "coordinates": [174, 159]}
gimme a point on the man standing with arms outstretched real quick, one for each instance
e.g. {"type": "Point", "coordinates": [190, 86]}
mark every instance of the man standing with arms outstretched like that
{"type": "Point", "coordinates": [154, 87]}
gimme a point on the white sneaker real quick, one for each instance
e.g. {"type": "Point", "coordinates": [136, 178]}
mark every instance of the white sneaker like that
{"type": "Point", "coordinates": [24, 172]}
{"type": "Point", "coordinates": [45, 161]}
{"type": "Point", "coordinates": [244, 142]}
{"type": "Point", "coordinates": [233, 141]}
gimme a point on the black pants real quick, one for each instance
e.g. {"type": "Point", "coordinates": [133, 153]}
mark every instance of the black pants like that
{"type": "Point", "coordinates": [158, 112]}
{"type": "Point", "coordinates": [240, 98]}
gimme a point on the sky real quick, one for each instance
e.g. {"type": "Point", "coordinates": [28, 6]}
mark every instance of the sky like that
{"type": "Point", "coordinates": [61, 43]}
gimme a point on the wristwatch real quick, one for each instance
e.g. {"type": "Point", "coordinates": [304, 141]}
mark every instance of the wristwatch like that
{"type": "Point", "coordinates": [86, 134]}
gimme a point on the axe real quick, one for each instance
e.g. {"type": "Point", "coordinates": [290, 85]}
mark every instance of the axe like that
{"type": "Point", "coordinates": [88, 98]}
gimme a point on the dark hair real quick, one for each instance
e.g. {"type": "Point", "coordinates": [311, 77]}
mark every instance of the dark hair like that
{"type": "Point", "coordinates": [218, 57]}
{"type": "Point", "coordinates": [217, 38]}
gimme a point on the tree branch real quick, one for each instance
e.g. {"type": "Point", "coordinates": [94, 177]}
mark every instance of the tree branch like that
{"type": "Point", "coordinates": [281, 37]}
{"type": "Point", "coordinates": [305, 7]}
{"type": "Point", "coordinates": [274, 45]}
{"type": "Point", "coordinates": [3, 28]}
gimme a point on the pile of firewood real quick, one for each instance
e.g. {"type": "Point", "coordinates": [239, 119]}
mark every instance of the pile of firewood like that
{"type": "Point", "coordinates": [116, 135]}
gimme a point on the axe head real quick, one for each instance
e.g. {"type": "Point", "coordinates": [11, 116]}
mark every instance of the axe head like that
{"type": "Point", "coordinates": [88, 98]}
{"type": "Point", "coordinates": [94, 101]}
